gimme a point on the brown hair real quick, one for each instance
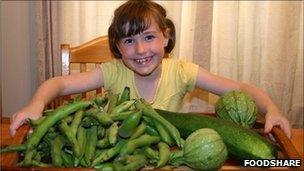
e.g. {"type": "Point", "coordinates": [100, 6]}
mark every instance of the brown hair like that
{"type": "Point", "coordinates": [134, 17]}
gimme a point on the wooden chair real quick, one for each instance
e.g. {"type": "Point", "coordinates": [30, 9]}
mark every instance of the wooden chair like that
{"type": "Point", "coordinates": [83, 58]}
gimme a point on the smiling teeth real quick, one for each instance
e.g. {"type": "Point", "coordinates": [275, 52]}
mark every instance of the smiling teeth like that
{"type": "Point", "coordinates": [143, 60]}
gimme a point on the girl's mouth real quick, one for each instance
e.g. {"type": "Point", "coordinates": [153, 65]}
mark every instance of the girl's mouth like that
{"type": "Point", "coordinates": [143, 61]}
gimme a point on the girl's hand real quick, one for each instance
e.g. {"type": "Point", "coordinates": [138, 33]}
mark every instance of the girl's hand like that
{"type": "Point", "coordinates": [32, 111]}
{"type": "Point", "coordinates": [273, 118]}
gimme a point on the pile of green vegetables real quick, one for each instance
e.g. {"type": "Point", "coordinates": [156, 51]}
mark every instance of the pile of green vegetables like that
{"type": "Point", "coordinates": [114, 132]}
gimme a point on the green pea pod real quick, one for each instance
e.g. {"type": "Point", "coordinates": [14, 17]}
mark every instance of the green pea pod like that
{"type": "Point", "coordinates": [51, 120]}
{"type": "Point", "coordinates": [109, 153]}
{"type": "Point", "coordinates": [151, 130]}
{"type": "Point", "coordinates": [121, 116]}
{"type": "Point", "coordinates": [113, 134]}
{"type": "Point", "coordinates": [65, 129]}
{"type": "Point", "coordinates": [135, 165]}
{"type": "Point", "coordinates": [125, 95]}
{"type": "Point", "coordinates": [105, 167]}
{"type": "Point", "coordinates": [13, 148]}
{"type": "Point", "coordinates": [89, 121]}
{"type": "Point", "coordinates": [122, 107]}
{"type": "Point", "coordinates": [129, 124]}
{"type": "Point", "coordinates": [76, 121]}
{"type": "Point", "coordinates": [164, 154]}
{"type": "Point", "coordinates": [138, 131]}
{"type": "Point", "coordinates": [149, 111]}
{"type": "Point", "coordinates": [150, 153]}
{"type": "Point", "coordinates": [113, 100]}
{"type": "Point", "coordinates": [82, 139]}
{"type": "Point", "coordinates": [56, 148]}
{"type": "Point", "coordinates": [101, 101]}
{"type": "Point", "coordinates": [103, 143]}
{"type": "Point", "coordinates": [91, 111]}
{"type": "Point", "coordinates": [101, 132]}
{"type": "Point", "coordinates": [67, 159]}
{"type": "Point", "coordinates": [164, 135]}
{"type": "Point", "coordinates": [103, 118]}
{"type": "Point", "coordinates": [130, 158]}
{"type": "Point", "coordinates": [40, 164]}
{"type": "Point", "coordinates": [176, 158]}
{"type": "Point", "coordinates": [34, 123]}
{"type": "Point", "coordinates": [29, 154]}
{"type": "Point", "coordinates": [144, 140]}
{"type": "Point", "coordinates": [90, 144]}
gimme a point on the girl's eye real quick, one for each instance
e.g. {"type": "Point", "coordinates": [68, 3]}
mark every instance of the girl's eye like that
{"type": "Point", "coordinates": [127, 41]}
{"type": "Point", "coordinates": [149, 37]}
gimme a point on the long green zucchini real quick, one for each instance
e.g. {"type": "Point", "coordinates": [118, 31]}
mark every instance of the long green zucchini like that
{"type": "Point", "coordinates": [241, 142]}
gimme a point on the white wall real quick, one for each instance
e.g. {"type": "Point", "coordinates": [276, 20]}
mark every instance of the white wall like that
{"type": "Point", "coordinates": [18, 74]}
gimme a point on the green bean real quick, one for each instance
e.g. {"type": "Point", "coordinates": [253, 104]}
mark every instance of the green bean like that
{"type": "Point", "coordinates": [122, 107]}
{"type": "Point", "coordinates": [103, 143]}
{"type": "Point", "coordinates": [57, 145]}
{"type": "Point", "coordinates": [138, 131]}
{"type": "Point", "coordinates": [129, 124]}
{"type": "Point", "coordinates": [91, 111]}
{"type": "Point", "coordinates": [40, 164]}
{"type": "Point", "coordinates": [164, 154]}
{"type": "Point", "coordinates": [176, 158]}
{"type": "Point", "coordinates": [144, 140]}
{"type": "Point", "coordinates": [68, 119]}
{"type": "Point", "coordinates": [72, 139]}
{"type": "Point", "coordinates": [149, 111]}
{"type": "Point", "coordinates": [109, 153]}
{"type": "Point", "coordinates": [101, 132]}
{"type": "Point", "coordinates": [113, 133]}
{"type": "Point", "coordinates": [113, 99]}
{"type": "Point", "coordinates": [38, 156]}
{"type": "Point", "coordinates": [151, 130]}
{"type": "Point", "coordinates": [76, 121]}
{"type": "Point", "coordinates": [135, 165]}
{"type": "Point", "coordinates": [83, 163]}
{"type": "Point", "coordinates": [105, 167]}
{"type": "Point", "coordinates": [29, 154]}
{"type": "Point", "coordinates": [164, 135]}
{"type": "Point", "coordinates": [34, 123]}
{"type": "Point", "coordinates": [67, 159]}
{"type": "Point", "coordinates": [150, 153]}
{"type": "Point", "coordinates": [48, 112]}
{"type": "Point", "coordinates": [90, 144]}
{"type": "Point", "coordinates": [82, 140]}
{"type": "Point", "coordinates": [13, 148]}
{"type": "Point", "coordinates": [50, 120]}
{"type": "Point", "coordinates": [101, 101]}
{"type": "Point", "coordinates": [125, 95]}
{"type": "Point", "coordinates": [89, 121]}
{"type": "Point", "coordinates": [122, 115]}
{"type": "Point", "coordinates": [103, 118]}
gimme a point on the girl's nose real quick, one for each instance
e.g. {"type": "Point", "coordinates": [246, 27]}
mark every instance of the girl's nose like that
{"type": "Point", "coordinates": [141, 48]}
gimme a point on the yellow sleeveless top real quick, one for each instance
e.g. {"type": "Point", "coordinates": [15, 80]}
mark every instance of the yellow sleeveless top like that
{"type": "Point", "coordinates": [177, 78]}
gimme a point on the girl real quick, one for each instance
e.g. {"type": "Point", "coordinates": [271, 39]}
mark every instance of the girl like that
{"type": "Point", "coordinates": [139, 37]}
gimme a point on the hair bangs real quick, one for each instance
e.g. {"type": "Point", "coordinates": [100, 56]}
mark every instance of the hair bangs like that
{"type": "Point", "coordinates": [135, 25]}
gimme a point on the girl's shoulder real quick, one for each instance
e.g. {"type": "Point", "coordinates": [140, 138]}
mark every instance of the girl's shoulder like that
{"type": "Point", "coordinates": [178, 64]}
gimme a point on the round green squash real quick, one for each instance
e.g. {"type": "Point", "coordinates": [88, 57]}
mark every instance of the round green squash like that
{"type": "Point", "coordinates": [237, 106]}
{"type": "Point", "coordinates": [204, 149]}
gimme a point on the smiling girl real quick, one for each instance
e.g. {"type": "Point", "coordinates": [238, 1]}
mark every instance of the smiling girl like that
{"type": "Point", "coordinates": [139, 36]}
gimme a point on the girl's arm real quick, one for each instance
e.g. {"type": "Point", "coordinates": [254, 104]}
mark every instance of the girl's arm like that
{"type": "Point", "coordinates": [219, 85]}
{"type": "Point", "coordinates": [52, 88]}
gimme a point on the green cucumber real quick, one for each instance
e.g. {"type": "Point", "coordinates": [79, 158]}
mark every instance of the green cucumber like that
{"type": "Point", "coordinates": [241, 142]}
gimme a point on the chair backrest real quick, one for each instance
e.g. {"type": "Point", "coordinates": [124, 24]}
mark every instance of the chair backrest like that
{"type": "Point", "coordinates": [83, 58]}
{"type": "Point", "coordinates": [93, 52]}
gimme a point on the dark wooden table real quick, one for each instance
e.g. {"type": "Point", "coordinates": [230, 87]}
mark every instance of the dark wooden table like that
{"type": "Point", "coordinates": [8, 161]}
